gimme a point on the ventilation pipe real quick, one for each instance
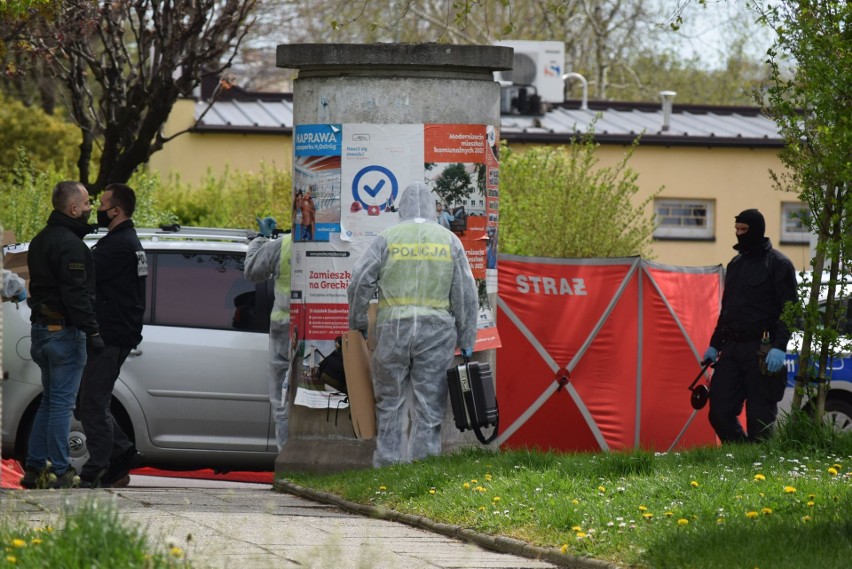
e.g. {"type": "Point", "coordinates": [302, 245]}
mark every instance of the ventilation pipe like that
{"type": "Point", "coordinates": [584, 104]}
{"type": "Point", "coordinates": [668, 100]}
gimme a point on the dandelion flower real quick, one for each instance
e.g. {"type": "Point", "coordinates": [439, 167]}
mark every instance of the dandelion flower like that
{"type": "Point", "coordinates": [575, 501]}
{"type": "Point", "coordinates": [11, 559]}
{"type": "Point", "coordinates": [811, 504]}
{"type": "Point", "coordinates": [766, 511]}
{"type": "Point", "coordinates": [837, 466]}
{"type": "Point", "coordinates": [789, 490]}
{"type": "Point", "coordinates": [382, 488]}
{"type": "Point", "coordinates": [35, 541]}
{"type": "Point", "coordinates": [481, 508]}
{"type": "Point", "coordinates": [669, 514]}
{"type": "Point", "coordinates": [17, 542]}
{"type": "Point", "coordinates": [806, 518]}
{"type": "Point", "coordinates": [648, 515]}
{"type": "Point", "coordinates": [576, 528]}
{"type": "Point", "coordinates": [720, 520]}
{"type": "Point", "coordinates": [751, 515]}
{"type": "Point", "coordinates": [601, 489]}
{"type": "Point", "coordinates": [176, 552]}
{"type": "Point", "coordinates": [564, 548]}
{"type": "Point", "coordinates": [682, 522]}
{"type": "Point", "coordinates": [643, 508]}
{"type": "Point", "coordinates": [466, 485]}
{"type": "Point", "coordinates": [832, 471]}
{"type": "Point", "coordinates": [431, 490]}
{"type": "Point", "coordinates": [474, 481]}
{"type": "Point", "coordinates": [759, 477]}
{"type": "Point", "coordinates": [694, 484]}
{"type": "Point", "coordinates": [488, 478]}
{"type": "Point", "coordinates": [581, 535]}
{"type": "Point", "coordinates": [495, 499]}
{"type": "Point", "coordinates": [811, 496]}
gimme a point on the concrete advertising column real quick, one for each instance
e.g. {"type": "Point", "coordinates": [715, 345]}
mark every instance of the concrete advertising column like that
{"type": "Point", "coordinates": [368, 121]}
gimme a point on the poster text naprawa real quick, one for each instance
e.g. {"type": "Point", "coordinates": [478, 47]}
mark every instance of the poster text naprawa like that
{"type": "Point", "coordinates": [347, 182]}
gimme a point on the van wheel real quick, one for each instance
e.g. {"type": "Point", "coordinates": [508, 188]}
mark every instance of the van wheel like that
{"type": "Point", "coordinates": [839, 414]}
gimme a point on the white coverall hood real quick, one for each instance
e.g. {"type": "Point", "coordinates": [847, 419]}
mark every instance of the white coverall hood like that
{"type": "Point", "coordinates": [417, 202]}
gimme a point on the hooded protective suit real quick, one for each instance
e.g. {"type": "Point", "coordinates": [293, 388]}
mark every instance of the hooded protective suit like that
{"type": "Point", "coordinates": [428, 305]}
{"type": "Point", "coordinates": [265, 259]}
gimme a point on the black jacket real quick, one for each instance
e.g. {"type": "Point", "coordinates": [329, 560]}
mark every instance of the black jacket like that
{"type": "Point", "coordinates": [121, 268]}
{"type": "Point", "coordinates": [758, 283]}
{"type": "Point", "coordinates": [62, 274]}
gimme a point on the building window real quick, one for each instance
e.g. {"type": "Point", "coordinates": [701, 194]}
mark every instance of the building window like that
{"type": "Point", "coordinates": [684, 219]}
{"type": "Point", "coordinates": [793, 227]}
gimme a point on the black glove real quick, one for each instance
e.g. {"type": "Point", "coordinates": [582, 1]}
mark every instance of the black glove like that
{"type": "Point", "coordinates": [95, 343]}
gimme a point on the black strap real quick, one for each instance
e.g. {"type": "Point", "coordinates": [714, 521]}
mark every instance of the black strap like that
{"type": "Point", "coordinates": [468, 399]}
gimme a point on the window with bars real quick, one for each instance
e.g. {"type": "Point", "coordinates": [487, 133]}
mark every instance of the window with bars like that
{"type": "Point", "coordinates": [684, 219]}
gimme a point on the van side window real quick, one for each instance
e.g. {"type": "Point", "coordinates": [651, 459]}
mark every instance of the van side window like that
{"type": "Point", "coordinates": [200, 290]}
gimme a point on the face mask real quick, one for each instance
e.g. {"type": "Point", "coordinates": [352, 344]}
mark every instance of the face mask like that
{"type": "Point", "coordinates": [103, 218]}
{"type": "Point", "coordinates": [84, 216]}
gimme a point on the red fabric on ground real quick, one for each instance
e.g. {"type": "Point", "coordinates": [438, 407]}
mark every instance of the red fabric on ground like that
{"type": "Point", "coordinates": [10, 474]}
{"type": "Point", "coordinates": [208, 474]}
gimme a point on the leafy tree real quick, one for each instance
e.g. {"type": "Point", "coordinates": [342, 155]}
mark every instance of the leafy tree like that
{"type": "Point", "coordinates": [809, 96]}
{"type": "Point", "coordinates": [557, 202]}
{"type": "Point", "coordinates": [48, 141]}
{"type": "Point", "coordinates": [122, 66]}
{"type": "Point", "coordinates": [453, 184]}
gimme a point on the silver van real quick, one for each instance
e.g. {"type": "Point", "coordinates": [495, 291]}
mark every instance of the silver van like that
{"type": "Point", "coordinates": [194, 393]}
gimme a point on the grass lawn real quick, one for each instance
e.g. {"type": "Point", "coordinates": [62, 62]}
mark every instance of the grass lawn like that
{"type": "Point", "coordinates": [775, 505]}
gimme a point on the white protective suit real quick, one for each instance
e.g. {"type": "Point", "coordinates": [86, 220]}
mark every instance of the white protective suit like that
{"type": "Point", "coordinates": [270, 258]}
{"type": "Point", "coordinates": [428, 305]}
{"type": "Point", "coordinates": [13, 285]}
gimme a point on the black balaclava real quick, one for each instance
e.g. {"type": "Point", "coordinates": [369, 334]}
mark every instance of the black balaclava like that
{"type": "Point", "coordinates": [753, 238]}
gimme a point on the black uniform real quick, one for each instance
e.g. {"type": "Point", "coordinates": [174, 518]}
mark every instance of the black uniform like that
{"type": "Point", "coordinates": [122, 268]}
{"type": "Point", "coordinates": [758, 283]}
{"type": "Point", "coordinates": [62, 275]}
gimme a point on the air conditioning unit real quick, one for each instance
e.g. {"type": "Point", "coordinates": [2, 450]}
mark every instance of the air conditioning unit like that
{"type": "Point", "coordinates": [539, 64]}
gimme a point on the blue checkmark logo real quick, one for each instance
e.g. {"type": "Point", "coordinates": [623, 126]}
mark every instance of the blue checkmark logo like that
{"type": "Point", "coordinates": [371, 180]}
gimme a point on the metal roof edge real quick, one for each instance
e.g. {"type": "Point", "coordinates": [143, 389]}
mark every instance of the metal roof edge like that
{"type": "Point", "coordinates": [225, 129]}
{"type": "Point", "coordinates": [645, 140]}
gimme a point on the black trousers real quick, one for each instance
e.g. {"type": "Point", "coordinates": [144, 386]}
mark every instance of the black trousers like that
{"type": "Point", "coordinates": [104, 437]}
{"type": "Point", "coordinates": [736, 381]}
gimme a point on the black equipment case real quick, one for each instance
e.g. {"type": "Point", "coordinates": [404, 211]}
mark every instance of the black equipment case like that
{"type": "Point", "coordinates": [472, 398]}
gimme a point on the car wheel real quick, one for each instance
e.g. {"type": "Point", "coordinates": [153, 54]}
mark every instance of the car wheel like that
{"type": "Point", "coordinates": [839, 414]}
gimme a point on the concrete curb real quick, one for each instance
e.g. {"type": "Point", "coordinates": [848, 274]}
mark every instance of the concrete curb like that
{"type": "Point", "coordinates": [499, 544]}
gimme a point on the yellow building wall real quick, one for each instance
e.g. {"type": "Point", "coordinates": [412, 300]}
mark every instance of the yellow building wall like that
{"type": "Point", "coordinates": [735, 178]}
{"type": "Point", "coordinates": [192, 155]}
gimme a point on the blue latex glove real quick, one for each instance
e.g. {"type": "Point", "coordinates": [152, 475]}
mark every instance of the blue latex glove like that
{"type": "Point", "coordinates": [22, 296]}
{"type": "Point", "coordinates": [267, 225]}
{"type": "Point", "coordinates": [774, 360]}
{"type": "Point", "coordinates": [711, 354]}
{"type": "Point", "coordinates": [467, 353]}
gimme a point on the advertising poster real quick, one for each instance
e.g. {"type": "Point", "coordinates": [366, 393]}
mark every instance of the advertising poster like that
{"type": "Point", "coordinates": [347, 182]}
{"type": "Point", "coordinates": [378, 162]}
{"type": "Point", "coordinates": [316, 182]}
{"type": "Point", "coordinates": [319, 312]}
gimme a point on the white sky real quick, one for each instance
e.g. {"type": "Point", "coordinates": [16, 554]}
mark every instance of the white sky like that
{"type": "Point", "coordinates": [708, 29]}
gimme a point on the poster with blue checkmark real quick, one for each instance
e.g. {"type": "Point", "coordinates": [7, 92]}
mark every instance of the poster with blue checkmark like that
{"type": "Point", "coordinates": [377, 163]}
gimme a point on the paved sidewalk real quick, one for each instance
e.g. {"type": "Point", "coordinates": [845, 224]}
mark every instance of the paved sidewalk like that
{"type": "Point", "coordinates": [251, 525]}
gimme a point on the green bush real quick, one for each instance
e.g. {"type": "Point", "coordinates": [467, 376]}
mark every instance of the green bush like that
{"type": "Point", "coordinates": [233, 199]}
{"type": "Point", "coordinates": [50, 142]}
{"type": "Point", "coordinates": [557, 202]}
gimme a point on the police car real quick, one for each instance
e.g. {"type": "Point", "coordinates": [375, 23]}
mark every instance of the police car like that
{"type": "Point", "coordinates": [838, 402]}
